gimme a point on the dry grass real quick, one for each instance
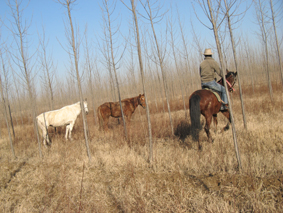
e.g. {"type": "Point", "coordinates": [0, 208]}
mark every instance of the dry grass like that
{"type": "Point", "coordinates": [181, 179]}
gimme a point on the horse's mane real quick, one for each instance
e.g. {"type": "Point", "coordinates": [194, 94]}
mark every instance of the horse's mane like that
{"type": "Point", "coordinates": [133, 101]}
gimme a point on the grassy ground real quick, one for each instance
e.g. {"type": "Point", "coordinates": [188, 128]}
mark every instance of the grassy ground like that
{"type": "Point", "coordinates": [181, 178]}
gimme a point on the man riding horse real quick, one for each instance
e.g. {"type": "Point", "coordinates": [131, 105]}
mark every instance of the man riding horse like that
{"type": "Point", "coordinates": [208, 68]}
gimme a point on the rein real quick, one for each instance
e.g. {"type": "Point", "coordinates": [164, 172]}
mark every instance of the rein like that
{"type": "Point", "coordinates": [230, 85]}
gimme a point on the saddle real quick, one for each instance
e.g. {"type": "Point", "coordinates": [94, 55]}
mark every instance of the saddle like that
{"type": "Point", "coordinates": [216, 93]}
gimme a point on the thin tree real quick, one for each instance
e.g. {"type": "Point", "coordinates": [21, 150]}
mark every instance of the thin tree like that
{"type": "Point", "coordinates": [5, 87]}
{"type": "Point", "coordinates": [90, 69]}
{"type": "Point", "coordinates": [152, 20]}
{"type": "Point", "coordinates": [179, 74]}
{"type": "Point", "coordinates": [6, 119]}
{"type": "Point", "coordinates": [47, 68]}
{"type": "Point", "coordinates": [19, 30]}
{"type": "Point", "coordinates": [74, 48]}
{"type": "Point", "coordinates": [261, 14]}
{"type": "Point", "coordinates": [138, 41]}
{"type": "Point", "coordinates": [273, 17]}
{"type": "Point", "coordinates": [113, 60]}
{"type": "Point", "coordinates": [15, 80]}
{"type": "Point", "coordinates": [5, 106]}
{"type": "Point", "coordinates": [229, 15]}
{"type": "Point", "coordinates": [105, 51]}
{"type": "Point", "coordinates": [213, 17]}
{"type": "Point", "coordinates": [186, 51]}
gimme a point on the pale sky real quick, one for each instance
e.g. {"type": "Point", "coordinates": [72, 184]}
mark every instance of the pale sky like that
{"type": "Point", "coordinates": [52, 15]}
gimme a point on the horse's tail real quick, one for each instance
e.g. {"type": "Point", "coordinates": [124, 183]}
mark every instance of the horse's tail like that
{"type": "Point", "coordinates": [100, 118]}
{"type": "Point", "coordinates": [42, 130]}
{"type": "Point", "coordinates": [195, 116]}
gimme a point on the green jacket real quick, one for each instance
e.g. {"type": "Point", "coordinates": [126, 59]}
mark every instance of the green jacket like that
{"type": "Point", "coordinates": [208, 68]}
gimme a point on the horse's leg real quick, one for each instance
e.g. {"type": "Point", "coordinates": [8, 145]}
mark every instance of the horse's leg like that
{"type": "Point", "coordinates": [208, 119]}
{"type": "Point", "coordinates": [44, 137]}
{"type": "Point", "coordinates": [227, 115]}
{"type": "Point", "coordinates": [43, 132]}
{"type": "Point", "coordinates": [70, 130]}
{"type": "Point", "coordinates": [47, 138]}
{"type": "Point", "coordinates": [105, 123]}
{"type": "Point", "coordinates": [215, 121]}
{"type": "Point", "coordinates": [67, 131]}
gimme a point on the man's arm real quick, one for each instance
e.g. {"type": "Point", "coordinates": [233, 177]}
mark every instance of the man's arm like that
{"type": "Point", "coordinates": [217, 69]}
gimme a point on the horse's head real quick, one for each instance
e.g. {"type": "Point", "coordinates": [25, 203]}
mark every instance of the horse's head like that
{"type": "Point", "coordinates": [85, 106]}
{"type": "Point", "coordinates": [141, 100]}
{"type": "Point", "coordinates": [231, 79]}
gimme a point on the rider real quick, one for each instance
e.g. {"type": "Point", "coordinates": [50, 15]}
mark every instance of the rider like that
{"type": "Point", "coordinates": [208, 68]}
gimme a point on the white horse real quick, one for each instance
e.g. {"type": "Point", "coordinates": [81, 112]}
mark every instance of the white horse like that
{"type": "Point", "coordinates": [64, 116]}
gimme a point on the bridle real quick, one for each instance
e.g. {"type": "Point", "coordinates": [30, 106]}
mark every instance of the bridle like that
{"type": "Point", "coordinates": [231, 86]}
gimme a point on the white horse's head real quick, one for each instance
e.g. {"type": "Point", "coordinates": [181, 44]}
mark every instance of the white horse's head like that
{"type": "Point", "coordinates": [85, 106]}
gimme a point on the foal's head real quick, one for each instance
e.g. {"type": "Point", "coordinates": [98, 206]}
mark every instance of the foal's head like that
{"type": "Point", "coordinates": [141, 100]}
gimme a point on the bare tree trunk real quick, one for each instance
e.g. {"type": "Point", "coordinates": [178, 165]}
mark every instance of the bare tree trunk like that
{"type": "Point", "coordinates": [5, 93]}
{"type": "Point", "coordinates": [276, 39]}
{"type": "Point", "coordinates": [188, 64]}
{"type": "Point", "coordinates": [177, 68]}
{"type": "Point", "coordinates": [236, 65]}
{"type": "Point", "coordinates": [20, 31]}
{"type": "Point", "coordinates": [90, 71]}
{"type": "Point", "coordinates": [67, 4]}
{"type": "Point", "coordinates": [262, 24]}
{"type": "Point", "coordinates": [161, 64]}
{"type": "Point", "coordinates": [133, 10]}
{"type": "Point", "coordinates": [6, 118]}
{"type": "Point", "coordinates": [215, 30]}
{"type": "Point", "coordinates": [249, 62]}
{"type": "Point", "coordinates": [113, 63]}
{"type": "Point", "coordinates": [47, 66]}
{"type": "Point", "coordinates": [18, 96]}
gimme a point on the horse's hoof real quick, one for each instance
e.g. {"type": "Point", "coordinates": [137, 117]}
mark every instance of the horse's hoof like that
{"type": "Point", "coordinates": [199, 148]}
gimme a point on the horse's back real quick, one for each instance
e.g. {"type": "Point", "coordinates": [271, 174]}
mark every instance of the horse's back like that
{"type": "Point", "coordinates": [208, 101]}
{"type": "Point", "coordinates": [60, 117]}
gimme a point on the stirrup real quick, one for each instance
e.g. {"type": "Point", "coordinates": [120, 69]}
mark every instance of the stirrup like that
{"type": "Point", "coordinates": [224, 107]}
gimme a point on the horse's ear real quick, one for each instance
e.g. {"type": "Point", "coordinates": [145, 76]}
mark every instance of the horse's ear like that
{"type": "Point", "coordinates": [227, 71]}
{"type": "Point", "coordinates": [139, 95]}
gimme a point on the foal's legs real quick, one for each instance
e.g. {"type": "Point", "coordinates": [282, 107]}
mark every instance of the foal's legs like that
{"type": "Point", "coordinates": [208, 119]}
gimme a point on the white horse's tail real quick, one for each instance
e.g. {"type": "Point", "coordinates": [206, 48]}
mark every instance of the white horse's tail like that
{"type": "Point", "coordinates": [44, 131]}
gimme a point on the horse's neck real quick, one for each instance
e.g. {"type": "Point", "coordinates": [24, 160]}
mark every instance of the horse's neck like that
{"type": "Point", "coordinates": [135, 102]}
{"type": "Point", "coordinates": [77, 106]}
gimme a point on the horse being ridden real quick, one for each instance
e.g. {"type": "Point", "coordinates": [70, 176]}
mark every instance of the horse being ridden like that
{"type": "Point", "coordinates": [64, 116]}
{"type": "Point", "coordinates": [206, 103]}
{"type": "Point", "coordinates": [113, 109]}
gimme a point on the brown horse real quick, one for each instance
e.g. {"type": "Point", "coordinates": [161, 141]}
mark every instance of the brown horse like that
{"type": "Point", "coordinates": [206, 103]}
{"type": "Point", "coordinates": [113, 109]}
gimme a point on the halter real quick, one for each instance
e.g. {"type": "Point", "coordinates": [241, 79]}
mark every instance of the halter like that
{"type": "Point", "coordinates": [230, 85]}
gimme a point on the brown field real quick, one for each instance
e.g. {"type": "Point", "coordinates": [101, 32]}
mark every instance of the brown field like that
{"type": "Point", "coordinates": [180, 179]}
